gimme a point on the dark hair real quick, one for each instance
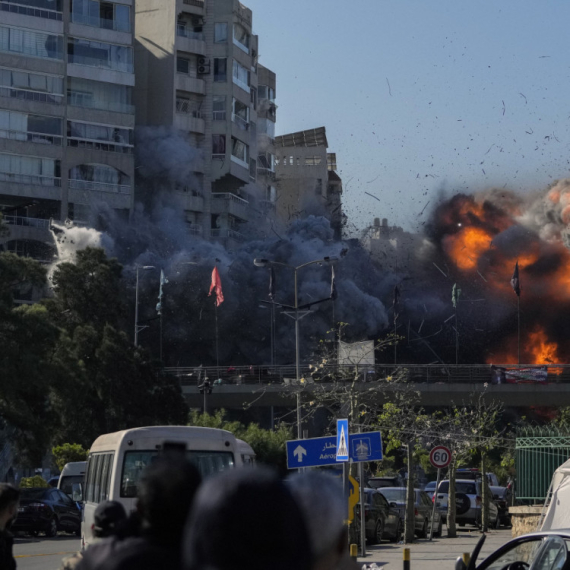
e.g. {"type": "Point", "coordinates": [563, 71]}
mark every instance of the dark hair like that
{"type": "Point", "coordinates": [246, 519]}
{"type": "Point", "coordinates": [8, 495]}
{"type": "Point", "coordinates": [108, 519]}
{"type": "Point", "coordinates": [166, 491]}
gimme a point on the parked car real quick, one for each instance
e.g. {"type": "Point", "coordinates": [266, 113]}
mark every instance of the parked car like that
{"type": "Point", "coordinates": [381, 520]}
{"type": "Point", "coordinates": [46, 510]}
{"type": "Point", "coordinates": [423, 508]}
{"type": "Point", "coordinates": [430, 488]}
{"type": "Point", "coordinates": [475, 475]}
{"type": "Point", "coordinates": [468, 495]}
{"type": "Point", "coordinates": [503, 498]}
{"type": "Point", "coordinates": [389, 481]}
{"type": "Point", "coordinates": [538, 550]}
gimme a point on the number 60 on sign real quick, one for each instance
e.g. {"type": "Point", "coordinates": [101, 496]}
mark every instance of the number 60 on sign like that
{"type": "Point", "coordinates": [440, 457]}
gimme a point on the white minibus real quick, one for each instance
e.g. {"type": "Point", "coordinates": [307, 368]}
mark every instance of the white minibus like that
{"type": "Point", "coordinates": [72, 478]}
{"type": "Point", "coordinates": [116, 461]}
{"type": "Point", "coordinates": [246, 452]}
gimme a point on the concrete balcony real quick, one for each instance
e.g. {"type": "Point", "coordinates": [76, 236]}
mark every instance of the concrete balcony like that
{"type": "Point", "coordinates": [117, 196]}
{"type": "Point", "coordinates": [191, 203]}
{"type": "Point", "coordinates": [189, 123]}
{"type": "Point", "coordinates": [190, 42]}
{"type": "Point", "coordinates": [22, 228]}
{"type": "Point", "coordinates": [190, 84]}
{"type": "Point", "coordinates": [227, 234]}
{"type": "Point", "coordinates": [190, 6]}
{"type": "Point", "coordinates": [30, 186]}
{"type": "Point", "coordinates": [227, 203]}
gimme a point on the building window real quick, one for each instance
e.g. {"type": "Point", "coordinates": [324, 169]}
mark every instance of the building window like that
{"type": "Point", "coordinates": [266, 92]}
{"type": "Point", "coordinates": [241, 38]}
{"type": "Point", "coordinates": [50, 9]}
{"type": "Point", "coordinates": [218, 146]}
{"type": "Point", "coordinates": [220, 69]}
{"type": "Point", "coordinates": [107, 15]}
{"type": "Point", "coordinates": [100, 137]}
{"type": "Point", "coordinates": [188, 106]}
{"type": "Point", "coordinates": [31, 86]}
{"type": "Point", "coordinates": [182, 65]}
{"type": "Point", "coordinates": [99, 177]}
{"type": "Point", "coordinates": [221, 32]}
{"type": "Point", "coordinates": [30, 170]}
{"type": "Point", "coordinates": [252, 168]}
{"type": "Point", "coordinates": [241, 76]}
{"type": "Point", "coordinates": [99, 95]}
{"type": "Point", "coordinates": [240, 152]}
{"type": "Point", "coordinates": [98, 54]}
{"type": "Point", "coordinates": [253, 97]}
{"type": "Point", "coordinates": [240, 114]}
{"type": "Point", "coordinates": [28, 42]}
{"type": "Point", "coordinates": [219, 107]}
{"type": "Point", "coordinates": [312, 160]}
{"type": "Point", "coordinates": [31, 128]}
{"type": "Point", "coordinates": [266, 161]}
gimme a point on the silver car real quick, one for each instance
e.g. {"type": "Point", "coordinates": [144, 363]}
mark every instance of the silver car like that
{"type": "Point", "coordinates": [468, 495]}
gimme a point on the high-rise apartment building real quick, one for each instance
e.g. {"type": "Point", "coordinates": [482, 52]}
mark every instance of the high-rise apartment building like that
{"type": "Point", "coordinates": [197, 73]}
{"type": "Point", "coordinates": [66, 114]}
{"type": "Point", "coordinates": [307, 182]}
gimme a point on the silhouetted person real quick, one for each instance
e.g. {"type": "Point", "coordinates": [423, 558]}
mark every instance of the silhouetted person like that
{"type": "Point", "coordinates": [165, 494]}
{"type": "Point", "coordinates": [9, 501]}
{"type": "Point", "coordinates": [109, 520]}
{"type": "Point", "coordinates": [246, 519]}
{"type": "Point", "coordinates": [320, 498]}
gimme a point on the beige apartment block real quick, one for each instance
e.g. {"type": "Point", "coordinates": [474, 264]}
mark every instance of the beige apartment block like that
{"type": "Point", "coordinates": [306, 178]}
{"type": "Point", "coordinates": [197, 72]}
{"type": "Point", "coordinates": [66, 115]}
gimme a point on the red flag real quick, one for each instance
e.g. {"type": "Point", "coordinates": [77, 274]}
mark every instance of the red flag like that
{"type": "Point", "coordinates": [217, 287]}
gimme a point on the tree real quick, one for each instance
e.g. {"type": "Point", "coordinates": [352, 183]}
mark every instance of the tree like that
{"type": "Point", "coordinates": [68, 453]}
{"type": "Point", "coordinates": [269, 445]}
{"type": "Point", "coordinates": [109, 380]}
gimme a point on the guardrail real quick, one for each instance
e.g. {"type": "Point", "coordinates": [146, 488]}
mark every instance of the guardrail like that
{"type": "Point", "coordinates": [418, 373]}
{"type": "Point", "coordinates": [24, 221]}
{"type": "Point", "coordinates": [99, 186]}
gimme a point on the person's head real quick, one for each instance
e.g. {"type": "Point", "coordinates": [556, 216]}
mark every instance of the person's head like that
{"type": "Point", "coordinates": [166, 491]}
{"type": "Point", "coordinates": [108, 519]}
{"type": "Point", "coordinates": [321, 500]}
{"type": "Point", "coordinates": [246, 519]}
{"type": "Point", "coordinates": [9, 499]}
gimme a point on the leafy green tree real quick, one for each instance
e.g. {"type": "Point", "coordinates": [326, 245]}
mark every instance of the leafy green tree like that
{"type": "Point", "coordinates": [110, 382]}
{"type": "Point", "coordinates": [35, 481]}
{"type": "Point", "coordinates": [269, 446]}
{"type": "Point", "coordinates": [68, 453]}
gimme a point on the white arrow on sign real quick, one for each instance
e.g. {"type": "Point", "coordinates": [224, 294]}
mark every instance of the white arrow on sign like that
{"type": "Point", "coordinates": [299, 452]}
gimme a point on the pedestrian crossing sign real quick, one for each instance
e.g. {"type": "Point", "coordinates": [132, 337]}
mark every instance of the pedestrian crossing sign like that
{"type": "Point", "coordinates": [342, 440]}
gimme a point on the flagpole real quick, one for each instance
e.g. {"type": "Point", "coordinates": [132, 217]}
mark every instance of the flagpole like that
{"type": "Point", "coordinates": [456, 338]}
{"type": "Point", "coordinates": [161, 337]}
{"type": "Point", "coordinates": [519, 327]}
{"type": "Point", "coordinates": [217, 350]}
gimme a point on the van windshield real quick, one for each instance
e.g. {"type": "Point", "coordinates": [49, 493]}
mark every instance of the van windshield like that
{"type": "Point", "coordinates": [66, 483]}
{"type": "Point", "coordinates": [208, 463]}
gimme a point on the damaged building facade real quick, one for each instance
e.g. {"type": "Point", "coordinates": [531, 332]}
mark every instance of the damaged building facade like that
{"type": "Point", "coordinates": [307, 182]}
{"type": "Point", "coordinates": [66, 115]}
{"type": "Point", "coordinates": [77, 77]}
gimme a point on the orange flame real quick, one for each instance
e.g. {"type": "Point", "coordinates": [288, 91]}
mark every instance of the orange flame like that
{"type": "Point", "coordinates": [542, 350]}
{"type": "Point", "coordinates": [466, 246]}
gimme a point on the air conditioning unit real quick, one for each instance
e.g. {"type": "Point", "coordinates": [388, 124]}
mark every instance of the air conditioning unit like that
{"type": "Point", "coordinates": [203, 66]}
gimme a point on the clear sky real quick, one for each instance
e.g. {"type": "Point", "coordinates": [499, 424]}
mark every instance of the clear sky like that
{"type": "Point", "coordinates": [423, 95]}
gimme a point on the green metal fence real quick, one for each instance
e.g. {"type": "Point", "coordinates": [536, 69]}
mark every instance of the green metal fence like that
{"type": "Point", "coordinates": [539, 451]}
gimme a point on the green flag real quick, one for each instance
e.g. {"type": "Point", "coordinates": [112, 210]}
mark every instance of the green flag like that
{"type": "Point", "coordinates": [456, 291]}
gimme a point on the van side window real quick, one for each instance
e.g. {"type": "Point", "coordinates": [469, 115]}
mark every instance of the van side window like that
{"type": "Point", "coordinates": [98, 481]}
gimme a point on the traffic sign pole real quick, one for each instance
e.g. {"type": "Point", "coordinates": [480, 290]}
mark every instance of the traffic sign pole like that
{"type": "Point", "coordinates": [439, 457]}
{"type": "Point", "coordinates": [434, 503]}
{"type": "Point", "coordinates": [362, 511]}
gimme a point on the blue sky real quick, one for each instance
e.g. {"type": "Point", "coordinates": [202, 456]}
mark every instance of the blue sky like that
{"type": "Point", "coordinates": [421, 96]}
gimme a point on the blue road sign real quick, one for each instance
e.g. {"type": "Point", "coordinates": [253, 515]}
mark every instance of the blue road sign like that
{"type": "Point", "coordinates": [320, 451]}
{"type": "Point", "coordinates": [342, 440]}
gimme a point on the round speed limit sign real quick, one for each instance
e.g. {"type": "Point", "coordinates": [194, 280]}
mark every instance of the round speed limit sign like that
{"type": "Point", "coordinates": [440, 457]}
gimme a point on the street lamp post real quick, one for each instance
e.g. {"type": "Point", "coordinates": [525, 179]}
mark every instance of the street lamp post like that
{"type": "Point", "coordinates": [137, 327]}
{"type": "Point", "coordinates": [298, 313]}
